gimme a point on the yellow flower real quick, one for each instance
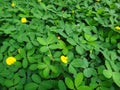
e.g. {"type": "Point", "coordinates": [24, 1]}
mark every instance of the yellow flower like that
{"type": "Point", "coordinates": [23, 20]}
{"type": "Point", "coordinates": [64, 59]}
{"type": "Point", "coordinates": [117, 28]}
{"type": "Point", "coordinates": [13, 4]}
{"type": "Point", "coordinates": [10, 60]}
{"type": "Point", "coordinates": [97, 0]}
{"type": "Point", "coordinates": [59, 37]}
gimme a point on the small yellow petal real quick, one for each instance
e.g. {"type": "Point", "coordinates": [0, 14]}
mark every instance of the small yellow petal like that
{"type": "Point", "coordinates": [117, 28]}
{"type": "Point", "coordinates": [58, 37]}
{"type": "Point", "coordinates": [64, 59]}
{"type": "Point", "coordinates": [13, 4]}
{"type": "Point", "coordinates": [23, 20]}
{"type": "Point", "coordinates": [10, 60]}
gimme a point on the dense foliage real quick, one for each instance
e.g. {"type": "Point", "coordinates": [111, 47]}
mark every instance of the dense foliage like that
{"type": "Point", "coordinates": [60, 44]}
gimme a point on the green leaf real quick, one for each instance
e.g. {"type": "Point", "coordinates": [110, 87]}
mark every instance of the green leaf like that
{"type": "Point", "coordinates": [36, 13]}
{"type": "Point", "coordinates": [47, 60]}
{"type": "Point", "coordinates": [31, 52]}
{"type": "Point", "coordinates": [69, 83]}
{"type": "Point", "coordinates": [102, 88]}
{"type": "Point", "coordinates": [51, 39]}
{"type": "Point", "coordinates": [107, 73]}
{"type": "Point", "coordinates": [57, 54]}
{"type": "Point", "coordinates": [84, 88]}
{"type": "Point", "coordinates": [44, 49]}
{"type": "Point", "coordinates": [33, 67]}
{"type": "Point", "coordinates": [63, 34]}
{"type": "Point", "coordinates": [1, 67]}
{"type": "Point", "coordinates": [61, 44]}
{"type": "Point", "coordinates": [4, 47]}
{"type": "Point", "coordinates": [116, 78]}
{"type": "Point", "coordinates": [2, 81]}
{"type": "Point", "coordinates": [21, 39]}
{"type": "Point", "coordinates": [16, 79]}
{"type": "Point", "coordinates": [78, 79]}
{"type": "Point", "coordinates": [61, 85]}
{"type": "Point", "coordinates": [88, 72]}
{"type": "Point", "coordinates": [71, 41]}
{"type": "Point", "coordinates": [1, 56]}
{"type": "Point", "coordinates": [80, 63]}
{"type": "Point", "coordinates": [65, 15]}
{"type": "Point", "coordinates": [79, 50]}
{"type": "Point", "coordinates": [70, 55]}
{"type": "Point", "coordinates": [54, 69]}
{"type": "Point", "coordinates": [114, 39]}
{"type": "Point", "coordinates": [118, 45]}
{"type": "Point", "coordinates": [100, 69]}
{"type": "Point", "coordinates": [19, 87]}
{"type": "Point", "coordinates": [29, 46]}
{"type": "Point", "coordinates": [106, 54]}
{"type": "Point", "coordinates": [53, 46]}
{"type": "Point", "coordinates": [43, 6]}
{"type": "Point", "coordinates": [8, 83]}
{"type": "Point", "coordinates": [22, 52]}
{"type": "Point", "coordinates": [72, 69]}
{"type": "Point", "coordinates": [113, 55]}
{"type": "Point", "coordinates": [118, 51]}
{"type": "Point", "coordinates": [46, 72]}
{"type": "Point", "coordinates": [36, 78]}
{"type": "Point", "coordinates": [99, 19]}
{"type": "Point", "coordinates": [42, 41]}
{"type": "Point", "coordinates": [32, 59]}
{"type": "Point", "coordinates": [90, 38]}
{"type": "Point", "coordinates": [42, 65]}
{"type": "Point", "coordinates": [114, 66]}
{"type": "Point", "coordinates": [65, 51]}
{"type": "Point", "coordinates": [68, 29]}
{"type": "Point", "coordinates": [47, 84]}
{"type": "Point", "coordinates": [31, 86]}
{"type": "Point", "coordinates": [11, 49]}
{"type": "Point", "coordinates": [107, 64]}
{"type": "Point", "coordinates": [18, 64]}
{"type": "Point", "coordinates": [25, 63]}
{"type": "Point", "coordinates": [5, 73]}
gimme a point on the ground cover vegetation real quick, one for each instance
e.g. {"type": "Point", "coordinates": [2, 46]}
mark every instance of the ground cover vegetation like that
{"type": "Point", "coordinates": [59, 44]}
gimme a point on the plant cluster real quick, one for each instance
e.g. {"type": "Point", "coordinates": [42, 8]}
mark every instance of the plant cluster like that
{"type": "Point", "coordinates": [60, 44]}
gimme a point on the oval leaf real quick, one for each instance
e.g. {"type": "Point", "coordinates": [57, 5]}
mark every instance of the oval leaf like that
{"type": "Point", "coordinates": [88, 72]}
{"type": "Point", "coordinates": [84, 88]}
{"type": "Point", "coordinates": [31, 86]}
{"type": "Point", "coordinates": [46, 72]}
{"type": "Point", "coordinates": [71, 41]}
{"type": "Point", "coordinates": [36, 78]}
{"type": "Point", "coordinates": [78, 79]}
{"type": "Point", "coordinates": [116, 78]}
{"type": "Point", "coordinates": [33, 67]}
{"type": "Point", "coordinates": [25, 63]}
{"type": "Point", "coordinates": [61, 85]}
{"type": "Point", "coordinates": [79, 50]}
{"type": "Point", "coordinates": [44, 49]}
{"type": "Point", "coordinates": [42, 41]}
{"type": "Point", "coordinates": [69, 83]}
{"type": "Point", "coordinates": [107, 73]}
